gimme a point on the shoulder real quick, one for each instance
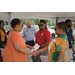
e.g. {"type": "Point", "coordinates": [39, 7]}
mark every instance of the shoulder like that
{"type": "Point", "coordinates": [60, 40]}
{"type": "Point", "coordinates": [1, 30]}
{"type": "Point", "coordinates": [37, 32]}
{"type": "Point", "coordinates": [47, 31]}
{"type": "Point", "coordinates": [32, 27]}
{"type": "Point", "coordinates": [70, 30]}
{"type": "Point", "coordinates": [13, 34]}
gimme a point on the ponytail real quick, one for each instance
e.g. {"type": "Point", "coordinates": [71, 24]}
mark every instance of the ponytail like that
{"type": "Point", "coordinates": [45, 27]}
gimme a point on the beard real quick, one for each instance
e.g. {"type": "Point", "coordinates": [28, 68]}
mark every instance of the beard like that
{"type": "Point", "coordinates": [69, 26]}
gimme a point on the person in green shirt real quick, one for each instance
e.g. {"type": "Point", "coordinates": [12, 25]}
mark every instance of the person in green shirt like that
{"type": "Point", "coordinates": [57, 49]}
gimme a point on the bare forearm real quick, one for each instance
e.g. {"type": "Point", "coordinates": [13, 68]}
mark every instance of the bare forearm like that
{"type": "Point", "coordinates": [61, 56]}
{"type": "Point", "coordinates": [60, 59]}
{"type": "Point", "coordinates": [24, 51]}
{"type": "Point", "coordinates": [43, 49]}
{"type": "Point", "coordinates": [35, 41]}
{"type": "Point", "coordinates": [45, 44]}
{"type": "Point", "coordinates": [27, 46]}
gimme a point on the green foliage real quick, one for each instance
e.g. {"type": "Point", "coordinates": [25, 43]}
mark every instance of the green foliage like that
{"type": "Point", "coordinates": [72, 39]}
{"type": "Point", "coordinates": [2, 21]}
{"type": "Point", "coordinates": [6, 22]}
{"type": "Point", "coordinates": [36, 22]}
{"type": "Point", "coordinates": [73, 20]}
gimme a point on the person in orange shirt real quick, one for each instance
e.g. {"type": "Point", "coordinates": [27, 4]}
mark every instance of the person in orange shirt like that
{"type": "Point", "coordinates": [3, 38]}
{"type": "Point", "coordinates": [15, 50]}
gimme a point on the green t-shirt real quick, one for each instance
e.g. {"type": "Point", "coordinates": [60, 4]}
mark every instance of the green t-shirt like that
{"type": "Point", "coordinates": [58, 44]}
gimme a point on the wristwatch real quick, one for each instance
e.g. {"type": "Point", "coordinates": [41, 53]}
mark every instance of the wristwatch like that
{"type": "Point", "coordinates": [40, 47]}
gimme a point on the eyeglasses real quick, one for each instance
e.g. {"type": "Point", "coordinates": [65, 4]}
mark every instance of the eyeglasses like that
{"type": "Point", "coordinates": [22, 25]}
{"type": "Point", "coordinates": [56, 28]}
{"type": "Point", "coordinates": [40, 24]}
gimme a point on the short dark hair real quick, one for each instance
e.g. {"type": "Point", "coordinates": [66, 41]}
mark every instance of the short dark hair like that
{"type": "Point", "coordinates": [62, 25]}
{"type": "Point", "coordinates": [15, 22]}
{"type": "Point", "coordinates": [43, 22]}
{"type": "Point", "coordinates": [67, 21]}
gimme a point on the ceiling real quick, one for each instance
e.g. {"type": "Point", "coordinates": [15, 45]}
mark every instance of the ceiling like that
{"type": "Point", "coordinates": [47, 14]}
{"type": "Point", "coordinates": [62, 16]}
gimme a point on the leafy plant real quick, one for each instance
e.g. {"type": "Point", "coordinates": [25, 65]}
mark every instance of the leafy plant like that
{"type": "Point", "coordinates": [36, 22]}
{"type": "Point", "coordinates": [72, 39]}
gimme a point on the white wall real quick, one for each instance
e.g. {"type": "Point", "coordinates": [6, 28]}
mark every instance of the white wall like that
{"type": "Point", "coordinates": [4, 16]}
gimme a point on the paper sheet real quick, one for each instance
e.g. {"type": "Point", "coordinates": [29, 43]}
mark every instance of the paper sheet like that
{"type": "Point", "coordinates": [36, 46]}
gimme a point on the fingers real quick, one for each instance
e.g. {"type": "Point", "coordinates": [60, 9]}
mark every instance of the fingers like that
{"type": "Point", "coordinates": [35, 53]}
{"type": "Point", "coordinates": [31, 47]}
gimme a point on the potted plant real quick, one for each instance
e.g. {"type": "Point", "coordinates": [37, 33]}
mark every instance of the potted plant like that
{"type": "Point", "coordinates": [72, 39]}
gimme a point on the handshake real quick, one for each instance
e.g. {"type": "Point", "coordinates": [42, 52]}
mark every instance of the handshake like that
{"type": "Point", "coordinates": [34, 53]}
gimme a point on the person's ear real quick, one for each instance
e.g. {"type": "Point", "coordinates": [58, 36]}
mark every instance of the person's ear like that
{"type": "Point", "coordinates": [61, 30]}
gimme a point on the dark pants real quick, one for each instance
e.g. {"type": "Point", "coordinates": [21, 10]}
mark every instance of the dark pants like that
{"type": "Point", "coordinates": [31, 43]}
{"type": "Point", "coordinates": [1, 59]}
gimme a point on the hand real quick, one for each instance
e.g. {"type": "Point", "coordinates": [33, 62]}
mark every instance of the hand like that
{"type": "Point", "coordinates": [35, 53]}
{"type": "Point", "coordinates": [31, 47]}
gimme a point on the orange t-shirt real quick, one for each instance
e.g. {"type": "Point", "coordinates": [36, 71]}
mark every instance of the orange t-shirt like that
{"type": "Point", "coordinates": [10, 54]}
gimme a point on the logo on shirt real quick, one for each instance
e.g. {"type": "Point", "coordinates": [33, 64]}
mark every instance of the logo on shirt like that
{"type": "Point", "coordinates": [42, 34]}
{"type": "Point", "coordinates": [27, 30]}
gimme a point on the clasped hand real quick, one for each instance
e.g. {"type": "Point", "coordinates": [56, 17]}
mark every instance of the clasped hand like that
{"type": "Point", "coordinates": [35, 53]}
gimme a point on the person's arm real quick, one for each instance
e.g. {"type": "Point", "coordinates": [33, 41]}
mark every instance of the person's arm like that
{"type": "Point", "coordinates": [34, 32]}
{"type": "Point", "coordinates": [43, 49]}
{"type": "Point", "coordinates": [5, 39]}
{"type": "Point", "coordinates": [15, 40]}
{"type": "Point", "coordinates": [70, 34]}
{"type": "Point", "coordinates": [45, 44]}
{"type": "Point", "coordinates": [30, 47]}
{"type": "Point", "coordinates": [0, 41]}
{"type": "Point", "coordinates": [61, 48]}
{"type": "Point", "coordinates": [0, 44]}
{"type": "Point", "coordinates": [20, 49]}
{"type": "Point", "coordinates": [61, 56]}
{"type": "Point", "coordinates": [35, 41]}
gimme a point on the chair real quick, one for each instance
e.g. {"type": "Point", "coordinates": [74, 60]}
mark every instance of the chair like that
{"type": "Point", "coordinates": [44, 58]}
{"type": "Point", "coordinates": [2, 49]}
{"type": "Point", "coordinates": [29, 58]}
{"type": "Point", "coordinates": [69, 53]}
